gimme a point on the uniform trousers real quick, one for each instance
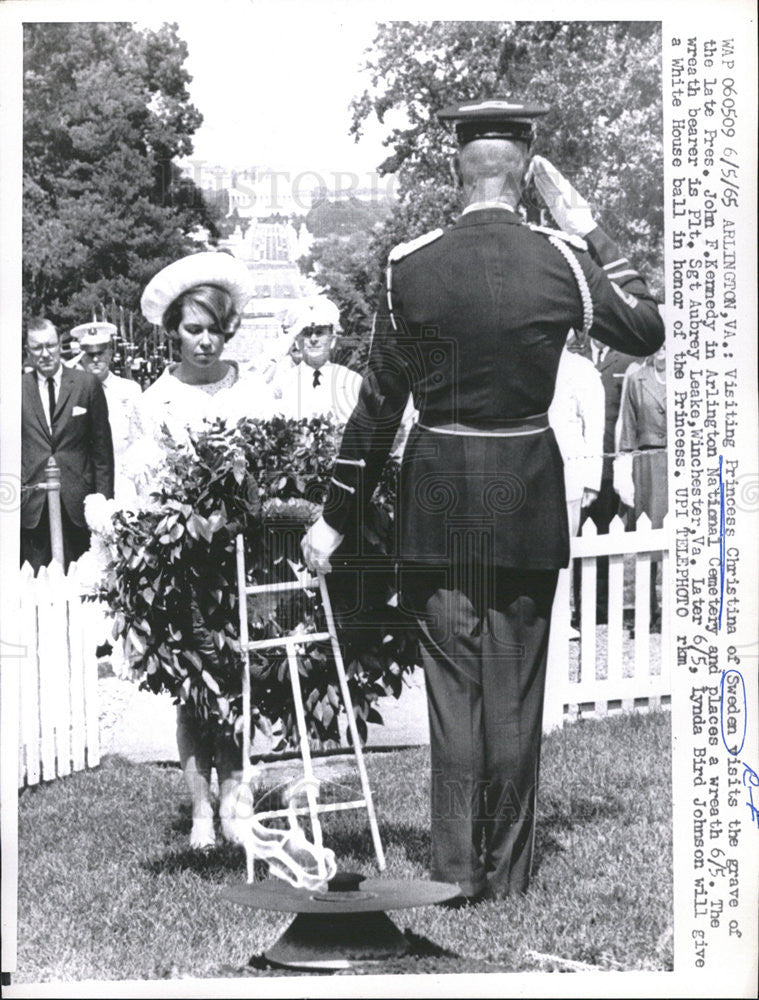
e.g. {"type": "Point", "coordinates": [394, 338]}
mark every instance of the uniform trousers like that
{"type": "Point", "coordinates": [484, 652]}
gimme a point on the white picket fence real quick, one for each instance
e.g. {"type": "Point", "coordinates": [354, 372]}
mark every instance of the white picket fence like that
{"type": "Point", "coordinates": [625, 675]}
{"type": "Point", "coordinates": [58, 710]}
{"type": "Point", "coordinates": [58, 689]}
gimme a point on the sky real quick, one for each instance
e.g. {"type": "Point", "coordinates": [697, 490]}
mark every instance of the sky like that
{"type": "Point", "coordinates": [274, 84]}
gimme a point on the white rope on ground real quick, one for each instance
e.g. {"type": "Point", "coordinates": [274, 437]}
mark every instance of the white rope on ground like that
{"type": "Point", "coordinates": [571, 963]}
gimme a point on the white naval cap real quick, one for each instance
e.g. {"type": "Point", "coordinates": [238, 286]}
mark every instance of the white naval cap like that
{"type": "Point", "coordinates": [93, 334]}
{"type": "Point", "coordinates": [315, 311]}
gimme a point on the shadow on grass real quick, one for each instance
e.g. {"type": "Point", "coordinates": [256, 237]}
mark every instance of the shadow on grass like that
{"type": "Point", "coordinates": [182, 823]}
{"type": "Point", "coordinates": [422, 956]}
{"type": "Point", "coordinates": [215, 864]}
{"type": "Point", "coordinates": [580, 810]}
{"type": "Point", "coordinates": [411, 841]}
{"type": "Point", "coordinates": [405, 840]}
{"type": "Point", "coordinates": [557, 818]}
{"type": "Point", "coordinates": [230, 858]}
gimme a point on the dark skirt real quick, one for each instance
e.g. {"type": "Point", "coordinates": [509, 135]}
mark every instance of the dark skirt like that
{"type": "Point", "coordinates": [650, 480]}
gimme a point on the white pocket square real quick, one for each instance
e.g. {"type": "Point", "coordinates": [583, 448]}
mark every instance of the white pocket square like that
{"type": "Point", "coordinates": [78, 411]}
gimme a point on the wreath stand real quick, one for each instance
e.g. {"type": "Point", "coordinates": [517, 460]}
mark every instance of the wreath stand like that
{"type": "Point", "coordinates": [345, 924]}
{"type": "Point", "coordinates": [292, 643]}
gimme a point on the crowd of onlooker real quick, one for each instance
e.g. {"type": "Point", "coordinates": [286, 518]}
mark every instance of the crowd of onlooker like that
{"type": "Point", "coordinates": [609, 415]}
{"type": "Point", "coordinates": [105, 433]}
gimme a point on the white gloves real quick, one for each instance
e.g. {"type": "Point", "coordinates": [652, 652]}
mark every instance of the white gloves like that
{"type": "Point", "coordinates": [568, 207]}
{"type": "Point", "coordinates": [623, 479]}
{"type": "Point", "coordinates": [589, 497]}
{"type": "Point", "coordinates": [318, 544]}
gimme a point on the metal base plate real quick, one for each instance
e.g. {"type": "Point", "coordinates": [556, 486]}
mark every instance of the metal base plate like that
{"type": "Point", "coordinates": [372, 895]}
{"type": "Point", "coordinates": [335, 929]}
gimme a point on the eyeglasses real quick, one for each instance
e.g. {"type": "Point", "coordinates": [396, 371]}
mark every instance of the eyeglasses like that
{"type": "Point", "coordinates": [39, 348]}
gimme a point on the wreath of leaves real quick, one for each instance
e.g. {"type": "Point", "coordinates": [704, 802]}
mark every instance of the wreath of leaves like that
{"type": "Point", "coordinates": [172, 581]}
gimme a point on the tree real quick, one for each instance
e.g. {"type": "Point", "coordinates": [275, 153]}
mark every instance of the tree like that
{"type": "Point", "coordinates": [343, 217]}
{"type": "Point", "coordinates": [346, 268]}
{"type": "Point", "coordinates": [602, 81]}
{"type": "Point", "coordinates": [342, 260]}
{"type": "Point", "coordinates": [106, 112]}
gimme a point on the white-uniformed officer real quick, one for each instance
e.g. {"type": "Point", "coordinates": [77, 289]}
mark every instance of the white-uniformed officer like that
{"type": "Point", "coordinates": [316, 386]}
{"type": "Point", "coordinates": [123, 396]}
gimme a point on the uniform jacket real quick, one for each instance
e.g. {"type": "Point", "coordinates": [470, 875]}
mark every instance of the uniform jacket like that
{"type": "Point", "coordinates": [474, 325]}
{"type": "Point", "coordinates": [123, 396]}
{"type": "Point", "coordinates": [80, 442]}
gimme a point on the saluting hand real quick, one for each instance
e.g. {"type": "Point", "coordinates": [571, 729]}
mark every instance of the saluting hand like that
{"type": "Point", "coordinates": [568, 207]}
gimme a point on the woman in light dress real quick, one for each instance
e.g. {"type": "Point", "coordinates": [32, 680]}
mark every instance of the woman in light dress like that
{"type": "Point", "coordinates": [199, 301]}
{"type": "Point", "coordinates": [207, 292]}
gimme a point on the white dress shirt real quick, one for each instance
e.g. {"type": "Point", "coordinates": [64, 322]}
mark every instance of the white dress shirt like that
{"type": "Point", "coordinates": [45, 399]}
{"type": "Point", "coordinates": [598, 352]}
{"type": "Point", "coordinates": [336, 394]}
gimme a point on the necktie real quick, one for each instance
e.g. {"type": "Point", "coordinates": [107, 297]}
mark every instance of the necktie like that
{"type": "Point", "coordinates": [51, 397]}
{"type": "Point", "coordinates": [317, 377]}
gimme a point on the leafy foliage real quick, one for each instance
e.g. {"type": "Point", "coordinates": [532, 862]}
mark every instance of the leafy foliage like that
{"type": "Point", "coordinates": [602, 81]}
{"type": "Point", "coordinates": [342, 262]}
{"type": "Point", "coordinates": [343, 217]}
{"type": "Point", "coordinates": [106, 112]}
{"type": "Point", "coordinates": [172, 582]}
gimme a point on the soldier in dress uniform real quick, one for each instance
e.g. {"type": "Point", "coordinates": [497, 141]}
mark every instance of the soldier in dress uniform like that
{"type": "Point", "coordinates": [473, 324]}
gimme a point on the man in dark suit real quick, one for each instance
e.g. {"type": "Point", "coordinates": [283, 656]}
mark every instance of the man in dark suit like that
{"type": "Point", "coordinates": [474, 323]}
{"type": "Point", "coordinates": [64, 414]}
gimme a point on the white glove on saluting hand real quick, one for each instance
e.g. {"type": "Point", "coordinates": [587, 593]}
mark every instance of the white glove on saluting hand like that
{"type": "Point", "coordinates": [568, 207]}
{"type": "Point", "coordinates": [318, 544]}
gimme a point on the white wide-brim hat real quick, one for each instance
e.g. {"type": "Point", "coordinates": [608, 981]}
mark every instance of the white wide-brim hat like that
{"type": "Point", "coordinates": [205, 268]}
{"type": "Point", "coordinates": [317, 310]}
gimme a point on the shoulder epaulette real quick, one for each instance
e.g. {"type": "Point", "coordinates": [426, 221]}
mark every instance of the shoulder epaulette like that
{"type": "Point", "coordinates": [576, 241]}
{"type": "Point", "coordinates": [404, 249]}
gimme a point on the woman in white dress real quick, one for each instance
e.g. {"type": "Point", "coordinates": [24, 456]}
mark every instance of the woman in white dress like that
{"type": "Point", "coordinates": [199, 300]}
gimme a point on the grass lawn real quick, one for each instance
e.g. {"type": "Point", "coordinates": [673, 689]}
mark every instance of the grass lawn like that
{"type": "Point", "coordinates": [109, 890]}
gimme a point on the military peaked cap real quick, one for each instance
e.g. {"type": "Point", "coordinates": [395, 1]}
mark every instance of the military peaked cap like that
{"type": "Point", "coordinates": [492, 118]}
